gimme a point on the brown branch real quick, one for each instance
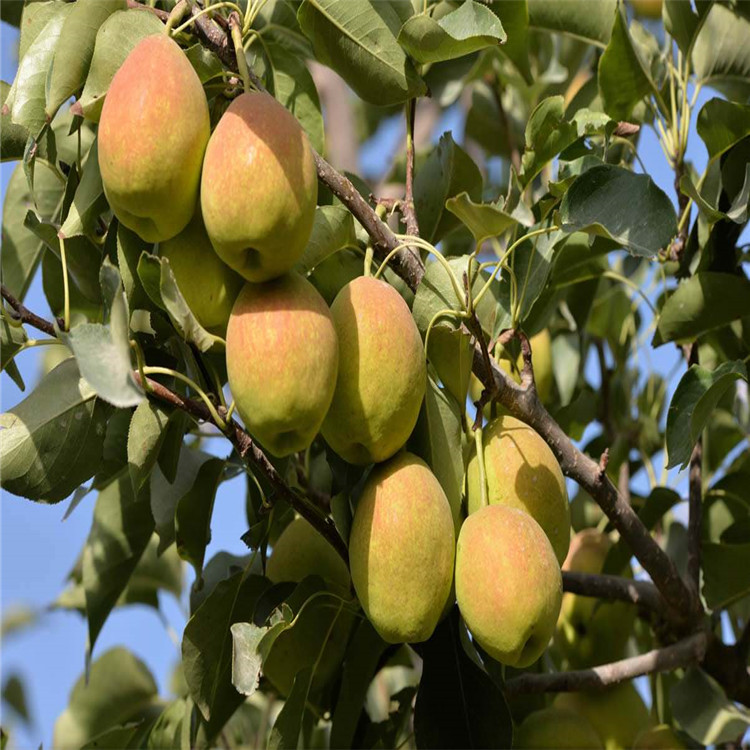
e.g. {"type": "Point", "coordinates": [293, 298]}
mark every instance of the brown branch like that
{"type": "Point", "coordinates": [614, 588]}
{"type": "Point", "coordinates": [22, 313]}
{"type": "Point", "coordinates": [681, 654]}
{"type": "Point", "coordinates": [408, 210]}
{"type": "Point", "coordinates": [695, 503]}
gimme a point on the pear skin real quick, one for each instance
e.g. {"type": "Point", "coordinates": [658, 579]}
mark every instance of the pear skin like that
{"type": "Point", "coordinates": [557, 728]}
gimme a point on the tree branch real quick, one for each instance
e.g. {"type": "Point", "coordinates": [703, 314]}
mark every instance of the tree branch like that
{"type": "Point", "coordinates": [25, 315]}
{"type": "Point", "coordinates": [614, 588]}
{"type": "Point", "coordinates": [410, 216]}
{"type": "Point", "coordinates": [681, 654]}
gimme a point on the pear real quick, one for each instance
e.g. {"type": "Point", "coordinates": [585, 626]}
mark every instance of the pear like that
{"type": "Point", "coordinates": [208, 285]}
{"type": "Point", "coordinates": [508, 584]}
{"type": "Point", "coordinates": [556, 728]}
{"type": "Point", "coordinates": [282, 359]}
{"type": "Point", "coordinates": [522, 472]}
{"type": "Point", "coordinates": [661, 737]}
{"type": "Point", "coordinates": [382, 373]}
{"type": "Point", "coordinates": [401, 550]}
{"type": "Point", "coordinates": [152, 136]}
{"type": "Point", "coordinates": [590, 631]}
{"type": "Point", "coordinates": [259, 188]}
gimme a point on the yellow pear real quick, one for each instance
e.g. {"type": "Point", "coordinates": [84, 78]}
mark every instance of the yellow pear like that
{"type": "Point", "coordinates": [152, 136]}
{"type": "Point", "coordinates": [647, 8]}
{"type": "Point", "coordinates": [522, 472]}
{"type": "Point", "coordinates": [401, 549]}
{"type": "Point", "coordinates": [382, 373]}
{"type": "Point", "coordinates": [508, 584]}
{"type": "Point", "coordinates": [661, 737]}
{"type": "Point", "coordinates": [556, 728]}
{"type": "Point", "coordinates": [282, 358]}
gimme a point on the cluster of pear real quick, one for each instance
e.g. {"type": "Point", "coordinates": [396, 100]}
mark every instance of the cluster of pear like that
{"type": "Point", "coordinates": [232, 211]}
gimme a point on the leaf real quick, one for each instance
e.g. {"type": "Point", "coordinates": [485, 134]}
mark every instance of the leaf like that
{"type": "Point", "coordinates": [624, 79]}
{"type": "Point", "coordinates": [12, 339]}
{"type": "Point", "coordinates": [115, 39]}
{"type": "Point", "coordinates": [155, 572]}
{"type": "Point", "coordinates": [514, 15]}
{"type": "Point", "coordinates": [333, 230]}
{"type": "Point", "coordinates": [626, 207]}
{"type": "Point", "coordinates": [437, 440]}
{"type": "Point", "coordinates": [706, 301]}
{"type": "Point", "coordinates": [704, 712]}
{"type": "Point", "coordinates": [14, 696]}
{"type": "Point", "coordinates": [29, 97]}
{"type": "Point", "coordinates": [161, 286]}
{"type": "Point", "coordinates": [73, 54]}
{"type": "Point", "coordinates": [103, 351]}
{"type": "Point", "coordinates": [458, 704]}
{"type": "Point", "coordinates": [357, 38]}
{"type": "Point", "coordinates": [547, 134]}
{"type": "Point", "coordinates": [205, 63]}
{"type": "Point", "coordinates": [21, 248]}
{"type": "Point", "coordinates": [145, 435]}
{"type": "Point", "coordinates": [447, 171]}
{"type": "Point", "coordinates": [722, 124]}
{"type": "Point", "coordinates": [360, 663]}
{"type": "Point", "coordinates": [52, 441]}
{"type": "Point", "coordinates": [17, 618]}
{"type": "Point", "coordinates": [13, 138]}
{"type": "Point", "coordinates": [119, 689]}
{"type": "Point", "coordinates": [290, 82]}
{"type": "Point", "coordinates": [683, 23]}
{"type": "Point", "coordinates": [590, 20]}
{"type": "Point", "coordinates": [451, 354]}
{"type": "Point", "coordinates": [720, 53]}
{"type": "Point", "coordinates": [484, 220]}
{"type": "Point", "coordinates": [120, 531]}
{"type": "Point", "coordinates": [207, 647]}
{"type": "Point", "coordinates": [726, 573]}
{"type": "Point", "coordinates": [696, 396]}
{"type": "Point", "coordinates": [193, 514]}
{"type": "Point", "coordinates": [130, 247]}
{"type": "Point", "coordinates": [89, 201]}
{"type": "Point", "coordinates": [467, 29]}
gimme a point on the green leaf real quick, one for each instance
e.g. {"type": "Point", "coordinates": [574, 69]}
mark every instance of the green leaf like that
{"type": "Point", "coordinates": [12, 339]}
{"type": "Point", "coordinates": [360, 663]}
{"type": "Point", "coordinates": [121, 529]}
{"type": "Point", "coordinates": [161, 286]}
{"type": "Point", "coordinates": [89, 201]}
{"type": "Point", "coordinates": [357, 38]}
{"type": "Point", "coordinates": [514, 15]}
{"type": "Point", "coordinates": [14, 696]}
{"type": "Point", "coordinates": [726, 573]}
{"type": "Point", "coordinates": [624, 78]}
{"type": "Point", "coordinates": [73, 54]}
{"type": "Point", "coordinates": [484, 220]}
{"type": "Point", "coordinates": [290, 82]}
{"type": "Point", "coordinates": [103, 351]}
{"type": "Point", "coordinates": [205, 63]}
{"type": "Point", "coordinates": [155, 572]}
{"type": "Point", "coordinates": [13, 138]}
{"type": "Point", "coordinates": [720, 53]}
{"type": "Point", "coordinates": [437, 440]}
{"type": "Point", "coordinates": [547, 134]}
{"type": "Point", "coordinates": [451, 353]}
{"type": "Point", "coordinates": [590, 20]}
{"type": "Point", "coordinates": [616, 203]}
{"type": "Point", "coordinates": [168, 728]}
{"type": "Point", "coordinates": [207, 644]}
{"type": "Point", "coordinates": [285, 731]}
{"type": "Point", "coordinates": [467, 29]}
{"type": "Point", "coordinates": [145, 436]}
{"type": "Point", "coordinates": [17, 618]}
{"type": "Point", "coordinates": [722, 124]}
{"type": "Point", "coordinates": [52, 441]}
{"type": "Point", "coordinates": [30, 84]}
{"type": "Point", "coordinates": [332, 231]}
{"type": "Point", "coordinates": [458, 704]}
{"type": "Point", "coordinates": [119, 689]}
{"type": "Point", "coordinates": [446, 172]}
{"type": "Point", "coordinates": [193, 514]}
{"type": "Point", "coordinates": [115, 39]}
{"type": "Point", "coordinates": [704, 712]}
{"type": "Point", "coordinates": [704, 302]}
{"type": "Point", "coordinates": [683, 23]}
{"type": "Point", "coordinates": [696, 396]}
{"type": "Point", "coordinates": [21, 248]}
{"type": "Point", "coordinates": [130, 247]}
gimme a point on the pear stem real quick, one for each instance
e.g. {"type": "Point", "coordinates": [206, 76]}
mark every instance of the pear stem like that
{"type": "Point", "coordinates": [239, 49]}
{"type": "Point", "coordinates": [66, 289]}
{"type": "Point", "coordinates": [484, 496]}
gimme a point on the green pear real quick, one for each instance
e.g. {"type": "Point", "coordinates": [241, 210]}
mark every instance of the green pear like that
{"type": "Point", "coordinates": [556, 728]}
{"type": "Point", "coordinates": [259, 188]}
{"type": "Point", "coordinates": [152, 136]}
{"type": "Point", "coordinates": [508, 584]}
{"type": "Point", "coordinates": [209, 286]}
{"type": "Point", "coordinates": [522, 472]}
{"type": "Point", "coordinates": [301, 551]}
{"type": "Point", "coordinates": [401, 549]}
{"type": "Point", "coordinates": [282, 358]}
{"type": "Point", "coordinates": [618, 714]}
{"type": "Point", "coordinates": [661, 737]}
{"type": "Point", "coordinates": [591, 631]}
{"type": "Point", "coordinates": [382, 373]}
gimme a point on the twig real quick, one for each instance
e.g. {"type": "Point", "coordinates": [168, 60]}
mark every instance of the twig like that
{"type": "Point", "coordinates": [614, 588]}
{"type": "Point", "coordinates": [25, 315]}
{"type": "Point", "coordinates": [408, 210]}
{"type": "Point", "coordinates": [681, 654]}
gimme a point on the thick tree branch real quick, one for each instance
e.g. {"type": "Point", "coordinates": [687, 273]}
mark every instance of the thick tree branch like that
{"type": "Point", "coordinates": [681, 654]}
{"type": "Point", "coordinates": [614, 588]}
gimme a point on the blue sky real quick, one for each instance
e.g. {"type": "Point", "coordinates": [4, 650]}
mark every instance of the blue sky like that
{"type": "Point", "coordinates": [38, 548]}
